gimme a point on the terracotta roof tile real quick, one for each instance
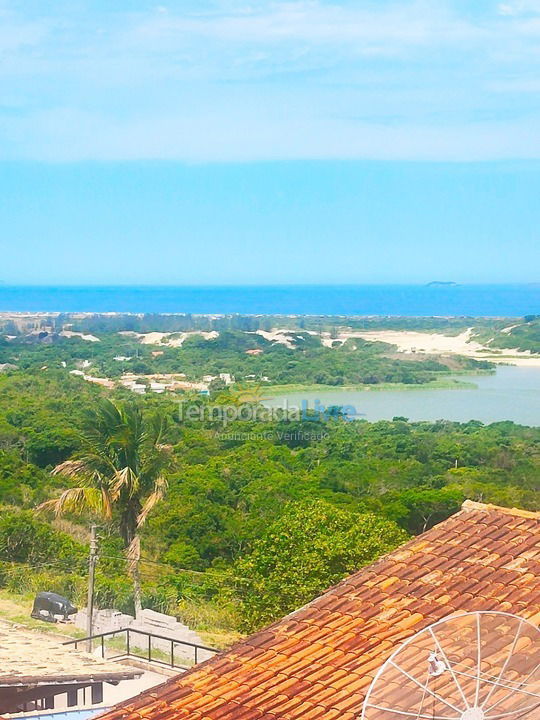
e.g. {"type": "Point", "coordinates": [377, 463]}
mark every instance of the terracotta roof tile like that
{"type": "Point", "coordinates": [318, 663]}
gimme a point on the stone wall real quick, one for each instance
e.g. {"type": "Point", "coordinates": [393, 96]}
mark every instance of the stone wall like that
{"type": "Point", "coordinates": [152, 622]}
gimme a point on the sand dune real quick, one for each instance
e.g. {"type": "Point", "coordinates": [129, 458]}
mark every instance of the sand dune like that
{"type": "Point", "coordinates": [412, 342]}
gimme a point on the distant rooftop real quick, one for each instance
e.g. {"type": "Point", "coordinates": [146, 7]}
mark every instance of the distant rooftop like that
{"type": "Point", "coordinates": [29, 658]}
{"type": "Point", "coordinates": [318, 662]}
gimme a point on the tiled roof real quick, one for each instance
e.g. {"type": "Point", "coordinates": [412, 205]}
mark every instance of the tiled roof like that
{"type": "Point", "coordinates": [31, 658]}
{"type": "Point", "coordinates": [318, 663]}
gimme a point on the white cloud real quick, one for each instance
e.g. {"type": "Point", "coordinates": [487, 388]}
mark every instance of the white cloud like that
{"type": "Point", "coordinates": [406, 24]}
{"type": "Point", "coordinates": [520, 7]}
{"type": "Point", "coordinates": [259, 133]}
{"type": "Point", "coordinates": [307, 78]}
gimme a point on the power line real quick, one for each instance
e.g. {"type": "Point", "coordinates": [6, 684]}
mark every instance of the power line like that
{"type": "Point", "coordinates": [178, 570]}
{"type": "Point", "coordinates": [61, 564]}
{"type": "Point", "coordinates": [17, 567]}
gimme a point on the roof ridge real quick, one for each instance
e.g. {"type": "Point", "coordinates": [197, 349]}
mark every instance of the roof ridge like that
{"type": "Point", "coordinates": [321, 659]}
{"type": "Point", "coordinates": [466, 506]}
{"type": "Point", "coordinates": [470, 505]}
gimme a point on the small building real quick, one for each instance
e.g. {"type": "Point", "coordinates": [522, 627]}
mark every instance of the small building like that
{"type": "Point", "coordinates": [5, 367]}
{"type": "Point", "coordinates": [103, 382]}
{"type": "Point", "coordinates": [38, 673]}
{"type": "Point", "coordinates": [158, 387]}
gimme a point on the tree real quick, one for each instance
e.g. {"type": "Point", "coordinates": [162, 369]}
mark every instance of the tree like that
{"type": "Point", "coordinates": [120, 474]}
{"type": "Point", "coordinates": [309, 548]}
{"type": "Point", "coordinates": [418, 509]}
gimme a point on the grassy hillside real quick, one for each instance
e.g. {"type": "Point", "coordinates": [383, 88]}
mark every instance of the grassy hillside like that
{"type": "Point", "coordinates": [522, 336]}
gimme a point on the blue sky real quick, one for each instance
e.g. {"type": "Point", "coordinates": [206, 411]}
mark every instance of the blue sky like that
{"type": "Point", "coordinates": [295, 141]}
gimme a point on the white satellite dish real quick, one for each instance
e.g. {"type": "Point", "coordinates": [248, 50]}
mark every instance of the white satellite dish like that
{"type": "Point", "coordinates": [473, 666]}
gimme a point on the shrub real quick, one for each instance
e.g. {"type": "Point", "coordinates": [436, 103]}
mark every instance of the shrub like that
{"type": "Point", "coordinates": [25, 539]}
{"type": "Point", "coordinates": [309, 548]}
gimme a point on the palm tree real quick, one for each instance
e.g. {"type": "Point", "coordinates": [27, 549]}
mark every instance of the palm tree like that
{"type": "Point", "coordinates": [119, 474]}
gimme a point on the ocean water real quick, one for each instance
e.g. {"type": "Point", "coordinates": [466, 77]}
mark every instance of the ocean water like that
{"type": "Point", "coordinates": [409, 300]}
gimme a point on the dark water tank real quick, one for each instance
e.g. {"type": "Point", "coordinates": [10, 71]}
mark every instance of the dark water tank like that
{"type": "Point", "coordinates": [50, 606]}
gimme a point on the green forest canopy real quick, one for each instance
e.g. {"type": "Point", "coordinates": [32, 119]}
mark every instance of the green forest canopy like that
{"type": "Point", "coordinates": [236, 500]}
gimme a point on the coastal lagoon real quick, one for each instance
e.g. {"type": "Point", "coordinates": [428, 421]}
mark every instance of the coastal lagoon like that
{"type": "Point", "coordinates": [512, 393]}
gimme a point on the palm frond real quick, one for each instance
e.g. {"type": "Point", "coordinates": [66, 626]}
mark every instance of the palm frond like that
{"type": "Point", "coordinates": [160, 488]}
{"type": "Point", "coordinates": [156, 428]}
{"type": "Point", "coordinates": [124, 481]}
{"type": "Point", "coordinates": [70, 468]}
{"type": "Point", "coordinates": [48, 506]}
{"type": "Point", "coordinates": [153, 465]}
{"type": "Point", "coordinates": [96, 459]}
{"type": "Point", "coordinates": [77, 500]}
{"type": "Point", "coordinates": [107, 503]}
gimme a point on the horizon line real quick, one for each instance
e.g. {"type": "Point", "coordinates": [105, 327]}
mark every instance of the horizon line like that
{"type": "Point", "coordinates": [153, 286]}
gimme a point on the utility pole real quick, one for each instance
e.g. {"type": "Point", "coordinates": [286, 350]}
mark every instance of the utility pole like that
{"type": "Point", "coordinates": [91, 575]}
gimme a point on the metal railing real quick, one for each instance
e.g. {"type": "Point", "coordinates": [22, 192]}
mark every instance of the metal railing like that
{"type": "Point", "coordinates": [150, 653]}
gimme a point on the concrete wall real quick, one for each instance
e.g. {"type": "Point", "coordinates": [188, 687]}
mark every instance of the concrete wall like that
{"type": "Point", "coordinates": [152, 622]}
